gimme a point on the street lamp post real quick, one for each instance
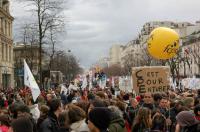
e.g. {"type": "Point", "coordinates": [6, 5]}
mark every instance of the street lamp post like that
{"type": "Point", "coordinates": [68, 63]}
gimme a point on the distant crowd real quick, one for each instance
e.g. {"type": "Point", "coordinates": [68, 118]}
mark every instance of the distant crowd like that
{"type": "Point", "coordinates": [99, 110]}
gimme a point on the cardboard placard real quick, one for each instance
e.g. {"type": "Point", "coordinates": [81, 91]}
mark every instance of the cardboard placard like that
{"type": "Point", "coordinates": [151, 79]}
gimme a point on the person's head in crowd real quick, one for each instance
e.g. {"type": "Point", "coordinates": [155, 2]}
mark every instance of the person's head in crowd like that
{"type": "Point", "coordinates": [172, 103]}
{"type": "Point", "coordinates": [75, 113]}
{"type": "Point", "coordinates": [21, 124]}
{"type": "Point", "coordinates": [18, 97]}
{"type": "Point", "coordinates": [44, 110]}
{"type": "Point", "coordinates": [198, 93]}
{"type": "Point", "coordinates": [95, 103]}
{"type": "Point", "coordinates": [4, 111]}
{"type": "Point", "coordinates": [106, 102]}
{"type": "Point", "coordinates": [197, 101]}
{"type": "Point", "coordinates": [55, 107]}
{"type": "Point", "coordinates": [113, 102]}
{"type": "Point", "coordinates": [143, 117]}
{"type": "Point", "coordinates": [99, 119]}
{"type": "Point", "coordinates": [101, 95]}
{"type": "Point", "coordinates": [197, 111]}
{"type": "Point", "coordinates": [83, 104]}
{"type": "Point", "coordinates": [91, 96]}
{"type": "Point", "coordinates": [23, 110]}
{"type": "Point", "coordinates": [115, 112]}
{"type": "Point", "coordinates": [5, 120]}
{"type": "Point", "coordinates": [121, 105]}
{"type": "Point", "coordinates": [186, 119]}
{"type": "Point", "coordinates": [126, 97]}
{"type": "Point", "coordinates": [50, 97]}
{"type": "Point", "coordinates": [163, 103]}
{"type": "Point", "coordinates": [133, 103]}
{"type": "Point", "coordinates": [63, 120]}
{"type": "Point", "coordinates": [157, 97]}
{"type": "Point", "coordinates": [159, 123]}
{"type": "Point", "coordinates": [178, 105]}
{"type": "Point", "coordinates": [188, 102]}
{"type": "Point", "coordinates": [148, 99]}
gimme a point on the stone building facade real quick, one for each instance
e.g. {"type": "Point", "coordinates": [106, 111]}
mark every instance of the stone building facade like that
{"type": "Point", "coordinates": [6, 46]}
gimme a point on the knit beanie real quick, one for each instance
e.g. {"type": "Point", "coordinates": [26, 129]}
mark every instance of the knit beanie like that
{"type": "Point", "coordinates": [100, 117]}
{"type": "Point", "coordinates": [186, 118]}
{"type": "Point", "coordinates": [187, 101]}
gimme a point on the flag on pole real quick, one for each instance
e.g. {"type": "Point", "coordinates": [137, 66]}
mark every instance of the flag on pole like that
{"type": "Point", "coordinates": [30, 82]}
{"type": "Point", "coordinates": [63, 88]}
{"type": "Point", "coordinates": [113, 82]}
{"type": "Point", "coordinates": [84, 85]}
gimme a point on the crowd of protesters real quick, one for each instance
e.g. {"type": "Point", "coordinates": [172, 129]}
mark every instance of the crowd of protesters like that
{"type": "Point", "coordinates": [99, 110]}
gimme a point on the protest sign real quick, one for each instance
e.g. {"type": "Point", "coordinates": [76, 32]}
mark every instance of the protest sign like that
{"type": "Point", "coordinates": [191, 83]}
{"type": "Point", "coordinates": [125, 84]}
{"type": "Point", "coordinates": [151, 79]}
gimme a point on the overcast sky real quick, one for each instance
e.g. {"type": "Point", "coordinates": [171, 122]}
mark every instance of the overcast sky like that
{"type": "Point", "coordinates": [94, 25]}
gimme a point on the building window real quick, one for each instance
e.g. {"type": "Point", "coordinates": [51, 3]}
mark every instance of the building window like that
{"type": "Point", "coordinates": [9, 29]}
{"type": "Point", "coordinates": [0, 24]}
{"type": "Point", "coordinates": [10, 54]}
{"type": "Point", "coordinates": [6, 46]}
{"type": "Point", "coordinates": [2, 51]}
{"type": "Point", "coordinates": [5, 26]}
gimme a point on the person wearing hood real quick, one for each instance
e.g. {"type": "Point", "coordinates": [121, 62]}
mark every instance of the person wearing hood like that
{"type": "Point", "coordinates": [77, 118]}
{"type": "Point", "coordinates": [99, 119]}
{"type": "Point", "coordinates": [117, 123]}
{"type": "Point", "coordinates": [186, 122]}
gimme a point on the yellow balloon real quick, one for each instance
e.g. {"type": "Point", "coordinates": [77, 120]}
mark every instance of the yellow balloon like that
{"type": "Point", "coordinates": [163, 43]}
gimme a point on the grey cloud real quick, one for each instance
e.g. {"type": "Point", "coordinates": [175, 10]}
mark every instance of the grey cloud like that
{"type": "Point", "coordinates": [94, 25]}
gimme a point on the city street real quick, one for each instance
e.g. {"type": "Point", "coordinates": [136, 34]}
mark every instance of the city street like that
{"type": "Point", "coordinates": [99, 66]}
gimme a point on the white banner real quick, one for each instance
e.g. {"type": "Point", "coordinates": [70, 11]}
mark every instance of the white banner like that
{"type": "Point", "coordinates": [30, 82]}
{"type": "Point", "coordinates": [125, 84]}
{"type": "Point", "coordinates": [192, 83]}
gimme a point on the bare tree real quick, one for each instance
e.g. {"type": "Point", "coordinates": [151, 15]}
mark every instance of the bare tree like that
{"type": "Point", "coordinates": [114, 70]}
{"type": "Point", "coordinates": [48, 16]}
{"type": "Point", "coordinates": [66, 63]}
{"type": "Point", "coordinates": [129, 62]}
{"type": "Point", "coordinates": [53, 41]}
{"type": "Point", "coordinates": [196, 55]}
{"type": "Point", "coordinates": [29, 37]}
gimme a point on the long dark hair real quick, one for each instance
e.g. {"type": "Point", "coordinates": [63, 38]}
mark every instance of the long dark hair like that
{"type": "Point", "coordinates": [143, 118]}
{"type": "Point", "coordinates": [159, 122]}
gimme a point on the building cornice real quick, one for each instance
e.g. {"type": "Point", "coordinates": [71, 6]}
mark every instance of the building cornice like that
{"type": "Point", "coordinates": [5, 38]}
{"type": "Point", "coordinates": [6, 14]}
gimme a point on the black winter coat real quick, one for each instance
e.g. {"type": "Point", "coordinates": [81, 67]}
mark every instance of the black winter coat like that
{"type": "Point", "coordinates": [50, 124]}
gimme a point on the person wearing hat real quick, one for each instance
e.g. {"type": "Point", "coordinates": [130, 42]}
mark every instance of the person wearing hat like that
{"type": "Point", "coordinates": [99, 119]}
{"type": "Point", "coordinates": [186, 122]}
